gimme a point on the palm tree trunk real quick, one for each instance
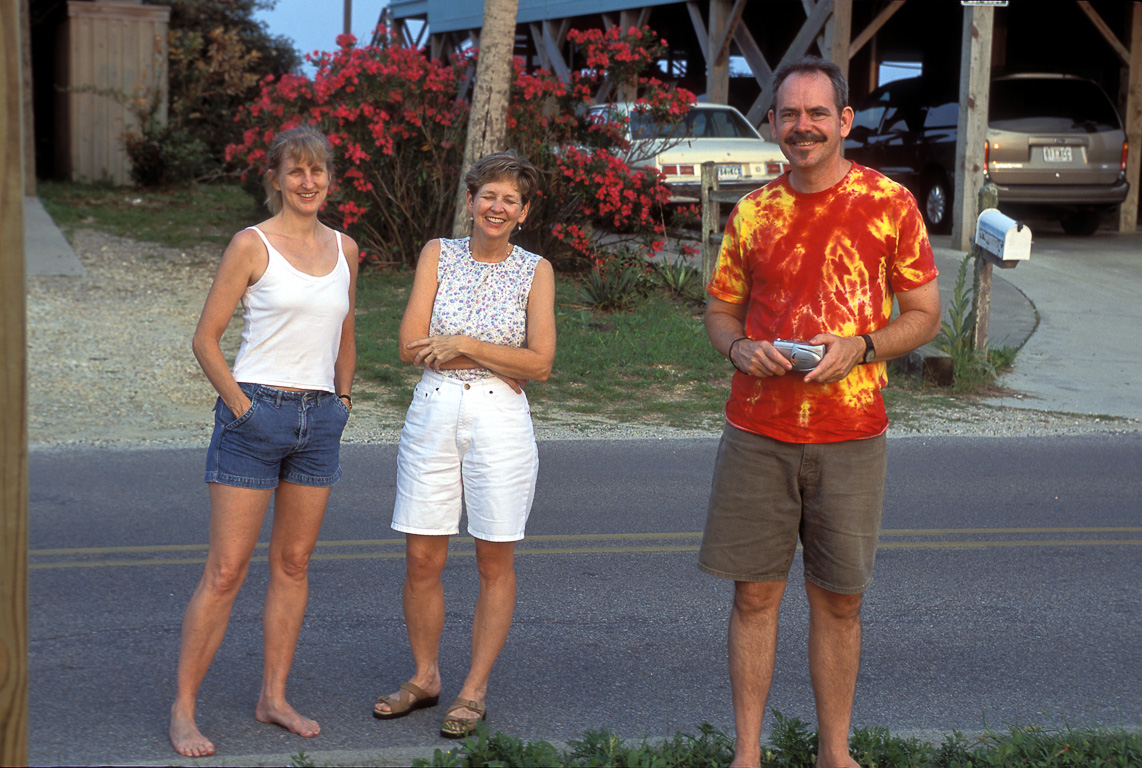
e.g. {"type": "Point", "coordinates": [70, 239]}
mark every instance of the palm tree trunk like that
{"type": "Point", "coordinates": [487, 120]}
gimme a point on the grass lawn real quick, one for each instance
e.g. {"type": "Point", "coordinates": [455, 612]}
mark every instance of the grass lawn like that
{"type": "Point", "coordinates": [650, 365]}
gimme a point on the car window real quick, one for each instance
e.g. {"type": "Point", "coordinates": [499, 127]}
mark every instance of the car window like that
{"type": "Point", "coordinates": [945, 115]}
{"type": "Point", "coordinates": [869, 117]}
{"type": "Point", "coordinates": [1073, 106]}
{"type": "Point", "coordinates": [698, 124]}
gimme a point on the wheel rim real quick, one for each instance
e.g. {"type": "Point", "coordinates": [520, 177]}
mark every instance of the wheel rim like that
{"type": "Point", "coordinates": [937, 203]}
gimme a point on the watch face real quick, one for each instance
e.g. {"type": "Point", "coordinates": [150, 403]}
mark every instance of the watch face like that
{"type": "Point", "coordinates": [869, 355]}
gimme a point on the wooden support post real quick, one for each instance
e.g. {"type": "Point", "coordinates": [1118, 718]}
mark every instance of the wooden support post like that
{"type": "Point", "coordinates": [717, 72]}
{"type": "Point", "coordinates": [1128, 211]}
{"type": "Point", "coordinates": [975, 89]}
{"type": "Point", "coordinates": [13, 403]}
{"type": "Point", "coordinates": [981, 295]}
{"type": "Point", "coordinates": [711, 218]}
{"type": "Point", "coordinates": [29, 125]}
{"type": "Point", "coordinates": [841, 26]}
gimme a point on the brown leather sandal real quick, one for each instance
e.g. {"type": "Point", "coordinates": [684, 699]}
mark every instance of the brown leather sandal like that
{"type": "Point", "coordinates": [411, 698]}
{"type": "Point", "coordinates": [459, 727]}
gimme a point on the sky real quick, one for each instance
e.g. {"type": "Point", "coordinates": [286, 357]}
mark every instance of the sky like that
{"type": "Point", "coordinates": [315, 24]}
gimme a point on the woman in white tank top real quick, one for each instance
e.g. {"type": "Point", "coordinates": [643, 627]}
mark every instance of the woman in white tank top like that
{"type": "Point", "coordinates": [481, 321]}
{"type": "Point", "coordinates": [278, 421]}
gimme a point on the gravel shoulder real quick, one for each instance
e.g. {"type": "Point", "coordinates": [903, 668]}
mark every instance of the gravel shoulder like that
{"type": "Point", "coordinates": [109, 364]}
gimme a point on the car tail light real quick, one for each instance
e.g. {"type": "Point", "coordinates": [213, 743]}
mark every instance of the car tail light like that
{"type": "Point", "coordinates": [685, 170]}
{"type": "Point", "coordinates": [986, 154]}
{"type": "Point", "coordinates": [1122, 166]}
{"type": "Point", "coordinates": [774, 168]}
{"type": "Point", "coordinates": [670, 170]}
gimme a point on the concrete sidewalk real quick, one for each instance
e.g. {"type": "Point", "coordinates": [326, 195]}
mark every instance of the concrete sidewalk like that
{"type": "Point", "coordinates": [46, 250]}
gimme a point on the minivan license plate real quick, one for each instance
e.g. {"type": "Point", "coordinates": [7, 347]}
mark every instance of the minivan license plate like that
{"type": "Point", "coordinates": [1057, 154]}
{"type": "Point", "coordinates": [729, 172]}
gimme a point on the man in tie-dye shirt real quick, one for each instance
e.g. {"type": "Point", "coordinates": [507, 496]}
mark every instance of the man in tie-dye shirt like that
{"type": "Point", "coordinates": [816, 256]}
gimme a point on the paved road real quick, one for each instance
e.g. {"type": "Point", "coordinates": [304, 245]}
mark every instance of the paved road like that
{"type": "Point", "coordinates": [1007, 591]}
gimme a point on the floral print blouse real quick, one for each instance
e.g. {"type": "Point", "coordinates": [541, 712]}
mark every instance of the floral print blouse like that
{"type": "Point", "coordinates": [481, 300]}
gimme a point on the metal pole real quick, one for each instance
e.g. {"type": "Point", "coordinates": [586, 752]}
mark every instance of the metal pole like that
{"type": "Point", "coordinates": [348, 17]}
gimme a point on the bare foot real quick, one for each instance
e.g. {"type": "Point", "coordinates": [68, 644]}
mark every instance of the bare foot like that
{"type": "Point", "coordinates": [186, 739]}
{"type": "Point", "coordinates": [287, 717]}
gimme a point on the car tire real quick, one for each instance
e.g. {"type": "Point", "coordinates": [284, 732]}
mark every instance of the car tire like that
{"type": "Point", "coordinates": [1083, 223]}
{"type": "Point", "coordinates": [936, 204]}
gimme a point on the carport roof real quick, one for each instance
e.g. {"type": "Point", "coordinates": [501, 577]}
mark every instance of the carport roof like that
{"type": "Point", "coordinates": [451, 16]}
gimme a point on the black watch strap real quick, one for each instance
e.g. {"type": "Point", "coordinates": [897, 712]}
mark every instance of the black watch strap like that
{"type": "Point", "coordinates": [869, 349]}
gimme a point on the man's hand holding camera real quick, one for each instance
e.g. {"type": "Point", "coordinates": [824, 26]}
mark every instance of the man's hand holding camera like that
{"type": "Point", "coordinates": [826, 358]}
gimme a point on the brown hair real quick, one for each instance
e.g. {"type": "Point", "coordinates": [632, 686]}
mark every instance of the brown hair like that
{"type": "Point", "coordinates": [813, 65]}
{"type": "Point", "coordinates": [304, 143]}
{"type": "Point", "coordinates": [500, 166]}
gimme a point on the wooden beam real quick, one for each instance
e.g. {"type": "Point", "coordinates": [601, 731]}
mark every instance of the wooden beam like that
{"type": "Point", "coordinates": [717, 71]}
{"type": "Point", "coordinates": [699, 28]}
{"type": "Point", "coordinates": [13, 403]}
{"type": "Point", "coordinates": [1105, 30]}
{"type": "Point", "coordinates": [1128, 211]}
{"type": "Point", "coordinates": [874, 26]}
{"type": "Point", "coordinates": [975, 89]}
{"type": "Point", "coordinates": [797, 49]}
{"type": "Point", "coordinates": [29, 122]}
{"type": "Point", "coordinates": [840, 34]}
{"type": "Point", "coordinates": [634, 18]}
{"type": "Point", "coordinates": [751, 51]}
{"type": "Point", "coordinates": [732, 24]}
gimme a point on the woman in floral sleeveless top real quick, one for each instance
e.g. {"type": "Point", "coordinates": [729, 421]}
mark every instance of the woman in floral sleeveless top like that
{"type": "Point", "coordinates": [481, 321]}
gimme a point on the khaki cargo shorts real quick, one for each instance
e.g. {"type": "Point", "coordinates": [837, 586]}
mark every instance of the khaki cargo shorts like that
{"type": "Point", "coordinates": [767, 494]}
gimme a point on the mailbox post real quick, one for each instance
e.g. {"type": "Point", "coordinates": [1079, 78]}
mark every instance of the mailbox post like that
{"type": "Point", "coordinates": [999, 241]}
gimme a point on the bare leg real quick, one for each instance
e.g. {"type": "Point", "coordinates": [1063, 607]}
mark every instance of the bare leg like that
{"type": "Point", "coordinates": [493, 619]}
{"type": "Point", "coordinates": [236, 516]}
{"type": "Point", "coordinates": [425, 557]}
{"type": "Point", "coordinates": [753, 649]}
{"type": "Point", "coordinates": [298, 512]}
{"type": "Point", "coordinates": [834, 658]}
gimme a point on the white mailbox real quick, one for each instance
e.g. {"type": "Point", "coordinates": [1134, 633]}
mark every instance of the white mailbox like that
{"type": "Point", "coordinates": [1002, 239]}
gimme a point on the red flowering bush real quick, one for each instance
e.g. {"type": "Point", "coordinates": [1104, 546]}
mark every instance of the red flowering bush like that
{"type": "Point", "coordinates": [397, 128]}
{"type": "Point", "coordinates": [595, 205]}
{"type": "Point", "coordinates": [397, 125]}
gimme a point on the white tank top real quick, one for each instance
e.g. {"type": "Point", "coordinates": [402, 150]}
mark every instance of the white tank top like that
{"type": "Point", "coordinates": [292, 325]}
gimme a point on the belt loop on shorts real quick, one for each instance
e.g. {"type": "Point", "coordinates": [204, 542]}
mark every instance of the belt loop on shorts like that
{"type": "Point", "coordinates": [278, 395]}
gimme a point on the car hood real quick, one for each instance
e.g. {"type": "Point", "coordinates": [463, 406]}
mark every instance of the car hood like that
{"type": "Point", "coordinates": [718, 150]}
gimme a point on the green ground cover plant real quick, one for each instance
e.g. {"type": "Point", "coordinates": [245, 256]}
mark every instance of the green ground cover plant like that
{"type": "Point", "coordinates": [793, 744]}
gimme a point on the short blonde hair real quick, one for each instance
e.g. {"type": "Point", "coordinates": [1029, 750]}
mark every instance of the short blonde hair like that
{"type": "Point", "coordinates": [304, 143]}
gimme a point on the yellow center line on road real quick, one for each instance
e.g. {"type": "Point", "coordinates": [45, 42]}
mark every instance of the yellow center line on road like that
{"type": "Point", "coordinates": [525, 548]}
{"type": "Point", "coordinates": [573, 537]}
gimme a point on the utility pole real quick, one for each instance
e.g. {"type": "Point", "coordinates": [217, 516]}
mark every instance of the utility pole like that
{"type": "Point", "coordinates": [348, 17]}
{"type": "Point", "coordinates": [13, 402]}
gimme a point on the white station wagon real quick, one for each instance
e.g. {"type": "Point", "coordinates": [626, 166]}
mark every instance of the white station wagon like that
{"type": "Point", "coordinates": [708, 132]}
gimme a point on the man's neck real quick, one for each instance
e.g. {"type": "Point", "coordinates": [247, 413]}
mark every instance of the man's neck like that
{"type": "Point", "coordinates": [819, 179]}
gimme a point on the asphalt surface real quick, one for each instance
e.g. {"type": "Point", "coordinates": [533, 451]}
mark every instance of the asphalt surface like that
{"type": "Point", "coordinates": [1006, 592]}
{"type": "Point", "coordinates": [1007, 585]}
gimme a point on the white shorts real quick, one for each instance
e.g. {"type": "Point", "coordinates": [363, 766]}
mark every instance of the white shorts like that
{"type": "Point", "coordinates": [466, 440]}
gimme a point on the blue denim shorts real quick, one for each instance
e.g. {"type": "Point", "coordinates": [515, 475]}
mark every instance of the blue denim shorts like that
{"type": "Point", "coordinates": [291, 436]}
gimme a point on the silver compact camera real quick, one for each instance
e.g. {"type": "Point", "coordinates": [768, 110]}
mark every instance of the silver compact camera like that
{"type": "Point", "coordinates": [804, 357]}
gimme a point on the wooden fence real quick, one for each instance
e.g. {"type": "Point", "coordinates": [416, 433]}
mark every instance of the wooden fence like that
{"type": "Point", "coordinates": [110, 54]}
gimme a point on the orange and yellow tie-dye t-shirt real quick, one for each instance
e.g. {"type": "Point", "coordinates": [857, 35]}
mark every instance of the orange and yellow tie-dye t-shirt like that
{"type": "Point", "coordinates": [824, 262]}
